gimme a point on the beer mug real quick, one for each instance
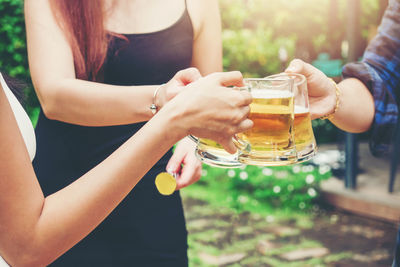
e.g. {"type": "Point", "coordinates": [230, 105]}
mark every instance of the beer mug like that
{"type": "Point", "coordinates": [271, 140]}
{"type": "Point", "coordinates": [306, 145]}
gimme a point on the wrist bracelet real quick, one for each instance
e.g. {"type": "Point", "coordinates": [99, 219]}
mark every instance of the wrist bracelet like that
{"type": "Point", "coordinates": [337, 91]}
{"type": "Point", "coordinates": [153, 106]}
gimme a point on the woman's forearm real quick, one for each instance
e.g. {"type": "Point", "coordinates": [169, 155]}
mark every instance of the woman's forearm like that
{"type": "Point", "coordinates": [95, 104]}
{"type": "Point", "coordinates": [73, 212]}
{"type": "Point", "coordinates": [62, 96]}
{"type": "Point", "coordinates": [356, 107]}
{"type": "Point", "coordinates": [35, 230]}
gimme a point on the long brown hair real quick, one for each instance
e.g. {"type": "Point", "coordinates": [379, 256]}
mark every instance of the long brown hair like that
{"type": "Point", "coordinates": [83, 24]}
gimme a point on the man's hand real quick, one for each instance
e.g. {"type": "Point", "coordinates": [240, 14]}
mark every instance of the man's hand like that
{"type": "Point", "coordinates": [321, 91]}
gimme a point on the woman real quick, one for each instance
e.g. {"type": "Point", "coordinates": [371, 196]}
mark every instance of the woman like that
{"type": "Point", "coordinates": [35, 230]}
{"type": "Point", "coordinates": [92, 63]}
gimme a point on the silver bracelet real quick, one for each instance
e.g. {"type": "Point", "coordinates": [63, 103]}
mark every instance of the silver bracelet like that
{"type": "Point", "coordinates": [153, 106]}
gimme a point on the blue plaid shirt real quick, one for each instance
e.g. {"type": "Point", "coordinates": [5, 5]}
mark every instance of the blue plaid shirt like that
{"type": "Point", "coordinates": [380, 72]}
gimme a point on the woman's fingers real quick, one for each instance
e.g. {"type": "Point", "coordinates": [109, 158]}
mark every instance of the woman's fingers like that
{"type": "Point", "coordinates": [187, 76]}
{"type": "Point", "coordinates": [174, 163]}
{"type": "Point", "coordinates": [245, 125]}
{"type": "Point", "coordinates": [191, 171]}
{"type": "Point", "coordinates": [245, 98]}
{"type": "Point", "coordinates": [233, 78]}
{"type": "Point", "coordinates": [228, 145]}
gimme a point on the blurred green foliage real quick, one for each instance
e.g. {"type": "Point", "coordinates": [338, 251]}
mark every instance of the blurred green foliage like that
{"type": "Point", "coordinates": [13, 56]}
{"type": "Point", "coordinates": [13, 52]}
{"type": "Point", "coordinates": [254, 31]}
{"type": "Point", "coordinates": [261, 189]}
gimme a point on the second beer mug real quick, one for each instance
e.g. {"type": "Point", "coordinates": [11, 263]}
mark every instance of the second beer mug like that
{"type": "Point", "coordinates": [306, 145]}
{"type": "Point", "coordinates": [271, 140]}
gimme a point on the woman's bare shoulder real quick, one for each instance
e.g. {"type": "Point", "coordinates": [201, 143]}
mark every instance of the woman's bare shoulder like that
{"type": "Point", "coordinates": [200, 11]}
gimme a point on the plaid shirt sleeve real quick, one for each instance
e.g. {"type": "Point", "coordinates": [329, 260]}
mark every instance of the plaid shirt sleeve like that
{"type": "Point", "coordinates": [380, 72]}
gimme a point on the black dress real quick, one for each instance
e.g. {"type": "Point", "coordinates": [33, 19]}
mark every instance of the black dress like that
{"type": "Point", "coordinates": [146, 229]}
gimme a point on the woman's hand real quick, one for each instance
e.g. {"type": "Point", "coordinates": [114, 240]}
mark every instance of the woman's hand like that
{"type": "Point", "coordinates": [176, 85]}
{"type": "Point", "coordinates": [321, 91]}
{"type": "Point", "coordinates": [185, 163]}
{"type": "Point", "coordinates": [207, 108]}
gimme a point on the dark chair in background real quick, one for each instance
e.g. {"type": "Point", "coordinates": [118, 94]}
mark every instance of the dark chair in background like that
{"type": "Point", "coordinates": [394, 158]}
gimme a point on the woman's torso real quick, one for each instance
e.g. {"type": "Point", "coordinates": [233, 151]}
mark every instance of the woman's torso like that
{"type": "Point", "coordinates": [139, 59]}
{"type": "Point", "coordinates": [65, 152]}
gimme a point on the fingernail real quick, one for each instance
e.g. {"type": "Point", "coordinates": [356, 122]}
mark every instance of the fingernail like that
{"type": "Point", "coordinates": [174, 174]}
{"type": "Point", "coordinates": [171, 169]}
{"type": "Point", "coordinates": [292, 68]}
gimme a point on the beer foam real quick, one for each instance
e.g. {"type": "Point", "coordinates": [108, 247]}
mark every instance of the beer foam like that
{"type": "Point", "coordinates": [300, 109]}
{"type": "Point", "coordinates": [270, 94]}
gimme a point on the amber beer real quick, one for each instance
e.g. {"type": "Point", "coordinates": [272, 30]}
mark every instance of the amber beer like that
{"type": "Point", "coordinates": [211, 146]}
{"type": "Point", "coordinates": [304, 135]}
{"type": "Point", "coordinates": [303, 131]}
{"type": "Point", "coordinates": [271, 118]}
{"type": "Point", "coordinates": [271, 135]}
{"type": "Point", "coordinates": [306, 146]}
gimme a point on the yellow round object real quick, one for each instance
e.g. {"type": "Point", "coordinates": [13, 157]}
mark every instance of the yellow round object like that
{"type": "Point", "coordinates": [165, 183]}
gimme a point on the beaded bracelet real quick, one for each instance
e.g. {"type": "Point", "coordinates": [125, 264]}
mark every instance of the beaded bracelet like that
{"type": "Point", "coordinates": [331, 115]}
